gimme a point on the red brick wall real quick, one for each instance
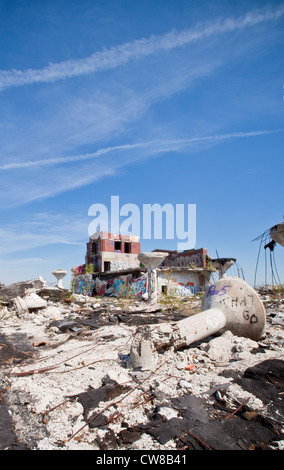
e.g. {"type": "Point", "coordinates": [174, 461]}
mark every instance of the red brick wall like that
{"type": "Point", "coordinates": [135, 248]}
{"type": "Point", "coordinates": [108, 245]}
{"type": "Point", "coordinates": [174, 257]}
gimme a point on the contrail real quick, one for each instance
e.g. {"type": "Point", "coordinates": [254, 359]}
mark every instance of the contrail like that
{"type": "Point", "coordinates": [115, 56]}
{"type": "Point", "coordinates": [156, 144]}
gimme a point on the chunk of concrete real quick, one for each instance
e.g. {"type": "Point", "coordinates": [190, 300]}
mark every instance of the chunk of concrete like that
{"type": "Point", "coordinates": [20, 306]}
{"type": "Point", "coordinates": [34, 302]}
{"type": "Point", "coordinates": [142, 354]}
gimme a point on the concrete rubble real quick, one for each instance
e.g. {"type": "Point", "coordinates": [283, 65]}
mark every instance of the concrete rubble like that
{"type": "Point", "coordinates": [71, 377]}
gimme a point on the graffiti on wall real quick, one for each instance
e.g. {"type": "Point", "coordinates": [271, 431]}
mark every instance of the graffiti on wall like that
{"type": "Point", "coordinates": [83, 286]}
{"type": "Point", "coordinates": [139, 286]}
{"type": "Point", "coordinates": [181, 260]}
{"type": "Point", "coordinates": [121, 286]}
{"type": "Point", "coordinates": [78, 269]}
{"type": "Point", "coordinates": [179, 288]}
{"type": "Point", "coordinates": [118, 265]}
{"type": "Point", "coordinates": [187, 289]}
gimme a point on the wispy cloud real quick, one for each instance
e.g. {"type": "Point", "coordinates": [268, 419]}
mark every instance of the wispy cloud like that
{"type": "Point", "coordinates": [156, 146]}
{"type": "Point", "coordinates": [116, 56]}
{"type": "Point", "coordinates": [52, 228]}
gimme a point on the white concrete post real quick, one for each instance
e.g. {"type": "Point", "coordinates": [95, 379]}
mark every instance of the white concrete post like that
{"type": "Point", "coordinates": [59, 274]}
{"type": "Point", "coordinates": [151, 261]}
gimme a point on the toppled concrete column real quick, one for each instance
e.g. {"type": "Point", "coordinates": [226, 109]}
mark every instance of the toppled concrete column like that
{"type": "Point", "coordinates": [151, 261]}
{"type": "Point", "coordinates": [229, 304]}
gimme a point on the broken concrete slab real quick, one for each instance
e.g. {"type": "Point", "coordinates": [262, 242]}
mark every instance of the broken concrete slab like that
{"type": "Point", "coordinates": [34, 302]}
{"type": "Point", "coordinates": [228, 346]}
{"type": "Point", "coordinates": [19, 288]}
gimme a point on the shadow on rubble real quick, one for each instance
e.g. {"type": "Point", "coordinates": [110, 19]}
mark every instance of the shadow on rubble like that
{"type": "Point", "coordinates": [15, 349]}
{"type": "Point", "coordinates": [201, 423]}
{"type": "Point", "coordinates": [12, 351]}
{"type": "Point", "coordinates": [103, 316]}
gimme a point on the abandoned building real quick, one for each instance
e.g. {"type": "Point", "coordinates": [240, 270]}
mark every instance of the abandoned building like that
{"type": "Point", "coordinates": [190, 270]}
{"type": "Point", "coordinates": [112, 267]}
{"type": "Point", "coordinates": [112, 252]}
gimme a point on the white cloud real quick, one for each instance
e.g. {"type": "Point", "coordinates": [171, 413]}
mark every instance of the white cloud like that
{"type": "Point", "coordinates": [42, 230]}
{"type": "Point", "coordinates": [116, 56]}
{"type": "Point", "coordinates": [34, 244]}
{"type": "Point", "coordinates": [155, 146]}
{"type": "Point", "coordinates": [26, 182]}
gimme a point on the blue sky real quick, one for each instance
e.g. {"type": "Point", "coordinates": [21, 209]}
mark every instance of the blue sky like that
{"type": "Point", "coordinates": [169, 101]}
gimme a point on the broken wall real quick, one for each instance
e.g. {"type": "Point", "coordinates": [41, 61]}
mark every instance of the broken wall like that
{"type": "Point", "coordinates": [186, 258]}
{"type": "Point", "coordinates": [83, 284]}
{"type": "Point", "coordinates": [122, 286]}
{"type": "Point", "coordinates": [183, 283]}
{"type": "Point", "coordinates": [118, 285]}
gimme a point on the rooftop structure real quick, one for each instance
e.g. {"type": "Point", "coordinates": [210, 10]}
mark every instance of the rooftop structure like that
{"type": "Point", "coordinates": [186, 259]}
{"type": "Point", "coordinates": [112, 252]}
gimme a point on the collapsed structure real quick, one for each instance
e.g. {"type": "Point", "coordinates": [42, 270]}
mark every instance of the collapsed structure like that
{"type": "Point", "coordinates": [84, 374]}
{"type": "Point", "coordinates": [127, 375]}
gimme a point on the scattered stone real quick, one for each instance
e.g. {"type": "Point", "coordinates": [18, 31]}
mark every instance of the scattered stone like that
{"type": "Point", "coordinates": [222, 349]}
{"type": "Point", "coordinates": [66, 363]}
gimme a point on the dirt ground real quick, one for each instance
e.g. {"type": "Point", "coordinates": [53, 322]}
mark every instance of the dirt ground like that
{"type": "Point", "coordinates": [67, 382]}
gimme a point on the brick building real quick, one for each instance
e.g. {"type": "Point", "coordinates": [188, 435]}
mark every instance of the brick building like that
{"type": "Point", "coordinates": [112, 252]}
{"type": "Point", "coordinates": [186, 259]}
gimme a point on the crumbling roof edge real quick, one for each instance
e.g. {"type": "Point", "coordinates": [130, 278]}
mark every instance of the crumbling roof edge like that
{"type": "Point", "coordinates": [183, 269]}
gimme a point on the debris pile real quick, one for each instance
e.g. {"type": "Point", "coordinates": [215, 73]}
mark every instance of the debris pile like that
{"type": "Point", "coordinates": [68, 381]}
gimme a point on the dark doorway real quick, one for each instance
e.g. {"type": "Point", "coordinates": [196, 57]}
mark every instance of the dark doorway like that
{"type": "Point", "coordinates": [106, 266]}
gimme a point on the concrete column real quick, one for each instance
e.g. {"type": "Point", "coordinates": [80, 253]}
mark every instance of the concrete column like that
{"type": "Point", "coordinates": [151, 261]}
{"type": "Point", "coordinates": [59, 274]}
